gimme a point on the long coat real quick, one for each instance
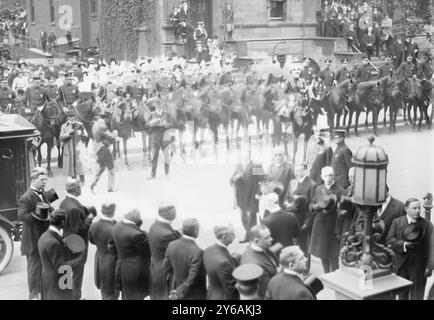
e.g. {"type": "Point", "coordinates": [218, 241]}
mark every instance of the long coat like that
{"type": "Point", "coordinates": [184, 259]}
{"type": "Point", "coordinates": [53, 256]}
{"type": "Point", "coordinates": [323, 241]}
{"type": "Point", "coordinates": [132, 267]}
{"type": "Point", "coordinates": [285, 286]}
{"type": "Point", "coordinates": [68, 150]}
{"type": "Point", "coordinates": [393, 210]}
{"type": "Point", "coordinates": [246, 187]}
{"type": "Point", "coordinates": [219, 265]}
{"type": "Point", "coordinates": [305, 188]}
{"type": "Point", "coordinates": [341, 164]}
{"type": "Point", "coordinates": [282, 174]}
{"type": "Point", "coordinates": [105, 261]}
{"type": "Point", "coordinates": [322, 160]}
{"type": "Point", "coordinates": [160, 235]}
{"type": "Point", "coordinates": [267, 261]}
{"type": "Point", "coordinates": [32, 227]}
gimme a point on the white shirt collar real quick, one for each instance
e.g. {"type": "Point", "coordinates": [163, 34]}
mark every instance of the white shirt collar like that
{"type": "Point", "coordinates": [221, 244]}
{"type": "Point", "coordinates": [161, 219]}
{"type": "Point", "coordinates": [254, 247]}
{"type": "Point", "coordinates": [302, 179]}
{"type": "Point", "coordinates": [106, 218]}
{"type": "Point", "coordinates": [72, 196]}
{"type": "Point", "coordinates": [126, 221]}
{"type": "Point", "coordinates": [410, 220]}
{"type": "Point", "coordinates": [58, 231]}
{"type": "Point", "coordinates": [189, 238]}
{"type": "Point", "coordinates": [289, 271]}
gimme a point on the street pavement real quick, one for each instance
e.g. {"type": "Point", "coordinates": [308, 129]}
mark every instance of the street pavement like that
{"type": "Point", "coordinates": [200, 188]}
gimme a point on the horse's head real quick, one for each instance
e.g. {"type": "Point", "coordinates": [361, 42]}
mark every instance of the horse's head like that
{"type": "Point", "coordinates": [51, 113]}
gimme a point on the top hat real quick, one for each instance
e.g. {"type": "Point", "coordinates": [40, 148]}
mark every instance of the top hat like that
{"type": "Point", "coordinates": [41, 212]}
{"type": "Point", "coordinates": [74, 243]}
{"type": "Point", "coordinates": [314, 284]}
{"type": "Point", "coordinates": [413, 232]}
{"type": "Point", "coordinates": [327, 202]}
{"type": "Point", "coordinates": [247, 274]}
{"type": "Point", "coordinates": [51, 195]}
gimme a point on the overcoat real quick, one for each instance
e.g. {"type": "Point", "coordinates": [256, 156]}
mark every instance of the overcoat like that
{"type": "Point", "coordinates": [132, 267]}
{"type": "Point", "coordinates": [285, 286]}
{"type": "Point", "coordinates": [341, 164]}
{"type": "Point", "coordinates": [68, 150]}
{"type": "Point", "coordinates": [323, 241]}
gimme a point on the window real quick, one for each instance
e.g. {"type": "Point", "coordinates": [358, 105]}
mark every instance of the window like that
{"type": "Point", "coordinates": [93, 8]}
{"type": "Point", "coordinates": [32, 11]}
{"type": "Point", "coordinates": [277, 9]}
{"type": "Point", "coordinates": [52, 15]}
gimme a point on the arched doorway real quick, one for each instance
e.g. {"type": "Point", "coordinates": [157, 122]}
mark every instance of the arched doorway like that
{"type": "Point", "coordinates": [201, 10]}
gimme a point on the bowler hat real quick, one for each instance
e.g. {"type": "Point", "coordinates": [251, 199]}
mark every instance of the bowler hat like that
{"type": "Point", "coordinates": [42, 211]}
{"type": "Point", "coordinates": [413, 232]}
{"type": "Point", "coordinates": [51, 195]}
{"type": "Point", "coordinates": [74, 243]}
{"type": "Point", "coordinates": [327, 202]}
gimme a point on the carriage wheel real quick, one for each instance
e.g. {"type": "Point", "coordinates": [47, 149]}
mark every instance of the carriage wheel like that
{"type": "Point", "coordinates": [6, 248]}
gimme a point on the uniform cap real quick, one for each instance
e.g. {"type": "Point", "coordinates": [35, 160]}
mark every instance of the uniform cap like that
{"type": "Point", "coordinates": [36, 77]}
{"type": "Point", "coordinates": [328, 60]}
{"type": "Point", "coordinates": [247, 274]}
{"type": "Point", "coordinates": [344, 60]}
{"type": "Point", "coordinates": [108, 208]}
{"type": "Point", "coordinates": [339, 133]}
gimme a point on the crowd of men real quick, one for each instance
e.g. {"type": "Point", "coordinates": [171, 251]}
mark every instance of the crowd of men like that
{"type": "Point", "coordinates": [13, 23]}
{"type": "Point", "coordinates": [289, 213]}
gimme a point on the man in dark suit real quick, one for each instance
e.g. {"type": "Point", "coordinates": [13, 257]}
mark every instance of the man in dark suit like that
{"type": "Point", "coordinates": [288, 284]}
{"type": "Point", "coordinates": [131, 246]}
{"type": "Point", "coordinates": [246, 182]}
{"type": "Point", "coordinates": [321, 156]}
{"type": "Point", "coordinates": [219, 265]}
{"type": "Point", "coordinates": [159, 122]}
{"type": "Point", "coordinates": [105, 261]}
{"type": "Point", "coordinates": [414, 259]}
{"type": "Point", "coordinates": [78, 220]}
{"type": "Point", "coordinates": [283, 225]}
{"type": "Point", "coordinates": [33, 227]}
{"type": "Point", "coordinates": [324, 243]}
{"type": "Point", "coordinates": [281, 171]}
{"type": "Point", "coordinates": [341, 161]}
{"type": "Point", "coordinates": [56, 284]}
{"type": "Point", "coordinates": [184, 262]}
{"type": "Point", "coordinates": [161, 234]}
{"type": "Point", "coordinates": [390, 210]}
{"type": "Point", "coordinates": [258, 252]}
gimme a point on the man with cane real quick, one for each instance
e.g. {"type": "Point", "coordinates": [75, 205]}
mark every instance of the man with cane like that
{"type": "Point", "coordinates": [71, 135]}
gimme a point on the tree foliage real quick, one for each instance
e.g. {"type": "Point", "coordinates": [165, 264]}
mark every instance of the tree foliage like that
{"type": "Point", "coordinates": [415, 15]}
{"type": "Point", "coordinates": [119, 23]}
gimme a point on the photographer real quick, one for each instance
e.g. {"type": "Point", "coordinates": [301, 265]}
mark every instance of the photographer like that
{"type": "Point", "coordinates": [71, 135]}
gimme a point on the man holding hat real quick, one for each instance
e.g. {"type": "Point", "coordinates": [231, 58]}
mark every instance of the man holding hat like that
{"type": "Point", "coordinates": [342, 159]}
{"type": "Point", "coordinates": [247, 276]}
{"type": "Point", "coordinates": [36, 96]}
{"type": "Point", "coordinates": [103, 138]}
{"type": "Point", "coordinates": [78, 220]}
{"type": "Point", "coordinates": [105, 261]}
{"type": "Point", "coordinates": [7, 97]}
{"type": "Point", "coordinates": [363, 72]}
{"type": "Point", "coordinates": [411, 239]}
{"type": "Point", "coordinates": [327, 75]}
{"type": "Point", "coordinates": [259, 253]}
{"type": "Point", "coordinates": [71, 134]}
{"type": "Point", "coordinates": [386, 68]}
{"type": "Point", "coordinates": [34, 213]}
{"type": "Point", "coordinates": [54, 259]}
{"type": "Point", "coordinates": [322, 220]}
{"type": "Point", "coordinates": [184, 262]}
{"type": "Point", "coordinates": [69, 93]}
{"type": "Point", "coordinates": [161, 234]}
{"type": "Point", "coordinates": [288, 284]}
{"type": "Point", "coordinates": [219, 265]}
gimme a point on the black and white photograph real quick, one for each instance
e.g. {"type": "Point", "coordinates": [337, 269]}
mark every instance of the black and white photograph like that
{"type": "Point", "coordinates": [220, 150]}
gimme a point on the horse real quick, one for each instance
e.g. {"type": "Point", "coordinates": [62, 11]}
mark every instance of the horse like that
{"type": "Point", "coordinates": [122, 122]}
{"type": "Point", "coordinates": [364, 96]}
{"type": "Point", "coordinates": [140, 118]}
{"type": "Point", "coordinates": [86, 112]}
{"type": "Point", "coordinates": [334, 102]}
{"type": "Point", "coordinates": [392, 99]}
{"type": "Point", "coordinates": [49, 121]}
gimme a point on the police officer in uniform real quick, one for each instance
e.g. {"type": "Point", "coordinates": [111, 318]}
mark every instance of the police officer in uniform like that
{"type": "Point", "coordinates": [136, 90]}
{"type": "Point", "coordinates": [363, 72]}
{"type": "Point", "coordinates": [7, 97]}
{"type": "Point", "coordinates": [406, 70]}
{"type": "Point", "coordinates": [386, 68]}
{"type": "Point", "coordinates": [247, 276]}
{"type": "Point", "coordinates": [341, 161]}
{"type": "Point", "coordinates": [328, 76]}
{"type": "Point", "coordinates": [343, 73]}
{"type": "Point", "coordinates": [69, 93]}
{"type": "Point", "coordinates": [52, 89]}
{"type": "Point", "coordinates": [36, 96]}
